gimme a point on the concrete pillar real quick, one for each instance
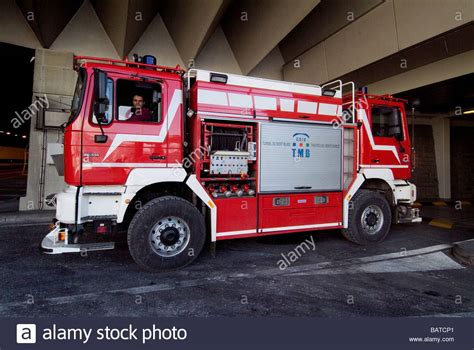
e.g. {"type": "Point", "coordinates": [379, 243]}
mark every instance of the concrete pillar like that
{"type": "Point", "coordinates": [441, 135]}
{"type": "Point", "coordinates": [54, 81]}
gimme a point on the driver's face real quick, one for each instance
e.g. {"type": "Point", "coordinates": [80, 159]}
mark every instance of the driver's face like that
{"type": "Point", "coordinates": [137, 101]}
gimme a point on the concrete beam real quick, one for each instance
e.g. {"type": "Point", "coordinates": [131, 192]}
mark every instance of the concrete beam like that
{"type": "Point", "coordinates": [254, 28]}
{"type": "Point", "coordinates": [191, 23]}
{"type": "Point", "coordinates": [322, 22]}
{"type": "Point", "coordinates": [385, 42]}
{"type": "Point", "coordinates": [423, 19]}
{"type": "Point", "coordinates": [432, 73]}
{"type": "Point", "coordinates": [452, 43]}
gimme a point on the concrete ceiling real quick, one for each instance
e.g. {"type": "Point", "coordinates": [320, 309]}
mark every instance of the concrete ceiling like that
{"type": "Point", "coordinates": [323, 21]}
{"type": "Point", "coordinates": [39, 15]}
{"type": "Point", "coordinates": [254, 28]}
{"type": "Point", "coordinates": [200, 18]}
{"type": "Point", "coordinates": [125, 20]}
{"type": "Point", "coordinates": [449, 44]}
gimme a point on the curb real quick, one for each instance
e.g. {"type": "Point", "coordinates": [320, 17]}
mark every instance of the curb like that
{"type": "Point", "coordinates": [464, 251]}
{"type": "Point", "coordinates": [27, 217]}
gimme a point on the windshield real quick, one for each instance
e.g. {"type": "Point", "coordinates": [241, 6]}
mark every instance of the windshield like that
{"type": "Point", "coordinates": [78, 94]}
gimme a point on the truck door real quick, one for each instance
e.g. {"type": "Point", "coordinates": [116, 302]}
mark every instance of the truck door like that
{"type": "Point", "coordinates": [388, 143]}
{"type": "Point", "coordinates": [133, 133]}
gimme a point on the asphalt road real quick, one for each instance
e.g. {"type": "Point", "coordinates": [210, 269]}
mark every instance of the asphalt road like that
{"type": "Point", "coordinates": [410, 274]}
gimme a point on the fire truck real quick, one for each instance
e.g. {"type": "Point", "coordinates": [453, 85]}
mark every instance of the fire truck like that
{"type": "Point", "coordinates": [176, 158]}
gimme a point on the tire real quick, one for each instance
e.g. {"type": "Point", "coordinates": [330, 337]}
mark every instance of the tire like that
{"type": "Point", "coordinates": [167, 233]}
{"type": "Point", "coordinates": [369, 218]}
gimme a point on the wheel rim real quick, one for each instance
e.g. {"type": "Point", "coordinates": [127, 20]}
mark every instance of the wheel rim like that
{"type": "Point", "coordinates": [372, 219]}
{"type": "Point", "coordinates": [169, 236]}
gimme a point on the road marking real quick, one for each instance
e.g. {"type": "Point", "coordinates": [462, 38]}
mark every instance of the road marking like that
{"type": "Point", "coordinates": [436, 261]}
{"type": "Point", "coordinates": [442, 223]}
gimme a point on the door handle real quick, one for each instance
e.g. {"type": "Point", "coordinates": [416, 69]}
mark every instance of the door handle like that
{"type": "Point", "coordinates": [376, 160]}
{"type": "Point", "coordinates": [157, 157]}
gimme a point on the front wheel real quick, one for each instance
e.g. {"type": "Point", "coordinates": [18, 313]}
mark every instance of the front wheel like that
{"type": "Point", "coordinates": [167, 233]}
{"type": "Point", "coordinates": [369, 218]}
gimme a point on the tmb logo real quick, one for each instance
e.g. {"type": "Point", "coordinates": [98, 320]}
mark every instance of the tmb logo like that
{"type": "Point", "coordinates": [300, 146]}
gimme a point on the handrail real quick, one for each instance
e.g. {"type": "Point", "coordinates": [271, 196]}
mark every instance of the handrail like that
{"type": "Point", "coordinates": [339, 87]}
{"type": "Point", "coordinates": [188, 77]}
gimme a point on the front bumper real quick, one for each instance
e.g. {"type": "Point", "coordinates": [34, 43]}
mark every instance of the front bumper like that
{"type": "Point", "coordinates": [57, 242]}
{"type": "Point", "coordinates": [409, 215]}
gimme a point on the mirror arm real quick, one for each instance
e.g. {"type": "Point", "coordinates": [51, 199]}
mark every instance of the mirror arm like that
{"type": "Point", "coordinates": [100, 125]}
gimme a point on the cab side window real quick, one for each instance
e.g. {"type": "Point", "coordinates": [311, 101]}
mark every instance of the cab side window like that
{"type": "Point", "coordinates": [387, 122]}
{"type": "Point", "coordinates": [139, 101]}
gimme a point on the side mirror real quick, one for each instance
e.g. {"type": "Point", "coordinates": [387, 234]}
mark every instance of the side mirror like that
{"type": "Point", "coordinates": [101, 101]}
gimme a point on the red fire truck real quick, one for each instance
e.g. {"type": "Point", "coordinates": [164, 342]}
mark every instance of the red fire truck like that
{"type": "Point", "coordinates": [175, 158]}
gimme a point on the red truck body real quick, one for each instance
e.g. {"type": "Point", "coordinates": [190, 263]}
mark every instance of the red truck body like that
{"type": "Point", "coordinates": [253, 156]}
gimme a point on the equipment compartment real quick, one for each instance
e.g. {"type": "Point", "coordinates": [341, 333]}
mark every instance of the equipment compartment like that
{"type": "Point", "coordinates": [236, 214]}
{"type": "Point", "coordinates": [288, 211]}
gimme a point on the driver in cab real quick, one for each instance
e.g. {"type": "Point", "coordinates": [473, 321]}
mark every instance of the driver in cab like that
{"type": "Point", "coordinates": [138, 112]}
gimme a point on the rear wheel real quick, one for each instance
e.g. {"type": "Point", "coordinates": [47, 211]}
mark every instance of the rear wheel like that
{"type": "Point", "coordinates": [167, 233]}
{"type": "Point", "coordinates": [369, 218]}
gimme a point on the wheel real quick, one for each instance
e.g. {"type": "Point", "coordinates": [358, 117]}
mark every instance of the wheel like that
{"type": "Point", "coordinates": [167, 233]}
{"type": "Point", "coordinates": [369, 218]}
